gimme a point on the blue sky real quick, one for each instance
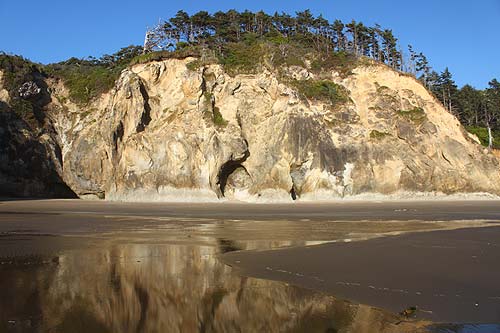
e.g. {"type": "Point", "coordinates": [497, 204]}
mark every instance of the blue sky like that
{"type": "Point", "coordinates": [463, 35]}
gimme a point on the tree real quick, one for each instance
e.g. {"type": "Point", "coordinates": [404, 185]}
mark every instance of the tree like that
{"type": "Point", "coordinates": [352, 28]}
{"type": "Point", "coordinates": [201, 25]}
{"type": "Point", "coordinates": [182, 23]}
{"type": "Point", "coordinates": [391, 54]}
{"type": "Point", "coordinates": [422, 67]}
{"type": "Point", "coordinates": [304, 21]}
{"type": "Point", "coordinates": [469, 103]}
{"type": "Point", "coordinates": [492, 108]}
{"type": "Point", "coordinates": [339, 36]}
{"type": "Point", "coordinates": [447, 90]}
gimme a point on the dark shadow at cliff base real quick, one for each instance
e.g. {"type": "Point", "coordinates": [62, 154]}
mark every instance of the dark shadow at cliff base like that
{"type": "Point", "coordinates": [29, 166]}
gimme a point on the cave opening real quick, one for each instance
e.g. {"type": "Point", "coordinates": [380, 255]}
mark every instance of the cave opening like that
{"type": "Point", "coordinates": [227, 169]}
{"type": "Point", "coordinates": [293, 193]}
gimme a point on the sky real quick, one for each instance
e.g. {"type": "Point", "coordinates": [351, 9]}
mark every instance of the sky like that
{"type": "Point", "coordinates": [459, 34]}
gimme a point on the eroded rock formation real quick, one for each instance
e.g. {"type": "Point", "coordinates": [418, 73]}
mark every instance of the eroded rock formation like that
{"type": "Point", "coordinates": [167, 132]}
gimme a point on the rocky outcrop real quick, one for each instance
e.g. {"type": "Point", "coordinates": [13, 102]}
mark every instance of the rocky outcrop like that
{"type": "Point", "coordinates": [167, 132]}
{"type": "Point", "coordinates": [30, 154]}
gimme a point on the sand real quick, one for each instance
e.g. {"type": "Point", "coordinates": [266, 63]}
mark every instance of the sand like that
{"type": "Point", "coordinates": [451, 276]}
{"type": "Point", "coordinates": [439, 256]}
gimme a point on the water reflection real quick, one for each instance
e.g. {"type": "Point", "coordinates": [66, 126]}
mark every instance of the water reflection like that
{"type": "Point", "coordinates": [158, 274]}
{"type": "Point", "coordinates": [133, 287]}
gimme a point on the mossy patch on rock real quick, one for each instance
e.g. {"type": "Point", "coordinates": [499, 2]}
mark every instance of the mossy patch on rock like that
{"type": "Point", "coordinates": [416, 115]}
{"type": "Point", "coordinates": [218, 119]}
{"type": "Point", "coordinates": [374, 134]}
{"type": "Point", "coordinates": [322, 90]}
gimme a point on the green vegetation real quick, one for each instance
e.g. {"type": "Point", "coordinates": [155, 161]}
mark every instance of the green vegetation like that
{"type": "Point", "coordinates": [473, 107]}
{"type": "Point", "coordinates": [243, 57]}
{"type": "Point", "coordinates": [322, 90]}
{"type": "Point", "coordinates": [219, 32]}
{"type": "Point", "coordinates": [342, 62]}
{"type": "Point", "coordinates": [378, 135]}
{"type": "Point", "coordinates": [17, 70]}
{"type": "Point", "coordinates": [244, 42]}
{"type": "Point", "coordinates": [191, 51]}
{"type": "Point", "coordinates": [88, 79]}
{"type": "Point", "coordinates": [217, 118]}
{"type": "Point", "coordinates": [149, 57]}
{"type": "Point", "coordinates": [22, 108]}
{"type": "Point", "coordinates": [195, 65]}
{"type": "Point", "coordinates": [482, 134]}
{"type": "Point", "coordinates": [416, 115]}
{"type": "Point", "coordinates": [86, 82]}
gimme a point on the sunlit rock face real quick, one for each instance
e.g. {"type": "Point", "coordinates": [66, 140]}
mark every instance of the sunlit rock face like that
{"type": "Point", "coordinates": [166, 288]}
{"type": "Point", "coordinates": [156, 139]}
{"type": "Point", "coordinates": [170, 133]}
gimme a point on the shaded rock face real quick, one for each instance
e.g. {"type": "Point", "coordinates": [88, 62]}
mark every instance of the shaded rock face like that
{"type": "Point", "coordinates": [30, 154]}
{"type": "Point", "coordinates": [169, 133]}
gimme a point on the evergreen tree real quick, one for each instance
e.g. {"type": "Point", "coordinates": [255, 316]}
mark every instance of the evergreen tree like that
{"type": "Point", "coordinates": [422, 66]}
{"type": "Point", "coordinates": [492, 108]}
{"type": "Point", "coordinates": [389, 42]}
{"type": "Point", "coordinates": [339, 36]}
{"type": "Point", "coordinates": [352, 28]}
{"type": "Point", "coordinates": [469, 104]}
{"type": "Point", "coordinates": [447, 90]}
{"type": "Point", "coordinates": [182, 24]}
{"type": "Point", "coordinates": [304, 21]}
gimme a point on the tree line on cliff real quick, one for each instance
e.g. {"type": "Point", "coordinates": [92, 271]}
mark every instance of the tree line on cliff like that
{"type": "Point", "coordinates": [476, 109]}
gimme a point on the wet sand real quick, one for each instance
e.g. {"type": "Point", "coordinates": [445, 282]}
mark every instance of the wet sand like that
{"type": "Point", "coordinates": [167, 261]}
{"type": "Point", "coordinates": [425, 210]}
{"type": "Point", "coordinates": [451, 276]}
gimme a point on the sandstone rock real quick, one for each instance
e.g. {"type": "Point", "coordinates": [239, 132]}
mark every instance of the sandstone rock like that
{"type": "Point", "coordinates": [169, 133]}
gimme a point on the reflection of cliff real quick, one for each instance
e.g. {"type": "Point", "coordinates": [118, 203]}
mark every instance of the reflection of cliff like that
{"type": "Point", "coordinates": [172, 288]}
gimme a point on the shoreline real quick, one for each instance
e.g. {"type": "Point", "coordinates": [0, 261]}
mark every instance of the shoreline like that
{"type": "Point", "coordinates": [450, 275]}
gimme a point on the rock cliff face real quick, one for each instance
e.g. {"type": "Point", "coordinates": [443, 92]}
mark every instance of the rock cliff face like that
{"type": "Point", "coordinates": [30, 154]}
{"type": "Point", "coordinates": [169, 132]}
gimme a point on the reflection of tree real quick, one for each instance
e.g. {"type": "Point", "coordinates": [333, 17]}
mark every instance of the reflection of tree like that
{"type": "Point", "coordinates": [172, 288]}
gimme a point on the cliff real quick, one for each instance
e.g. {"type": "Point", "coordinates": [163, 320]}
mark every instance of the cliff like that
{"type": "Point", "coordinates": [178, 130]}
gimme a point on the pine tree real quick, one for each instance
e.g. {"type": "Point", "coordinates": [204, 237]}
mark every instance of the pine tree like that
{"type": "Point", "coordinates": [339, 36]}
{"type": "Point", "coordinates": [352, 28]}
{"type": "Point", "coordinates": [182, 23]}
{"type": "Point", "coordinates": [469, 102]}
{"type": "Point", "coordinates": [447, 90]}
{"type": "Point", "coordinates": [492, 108]}
{"type": "Point", "coordinates": [422, 67]}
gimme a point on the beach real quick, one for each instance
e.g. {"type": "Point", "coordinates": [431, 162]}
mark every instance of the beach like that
{"type": "Point", "coordinates": [223, 267]}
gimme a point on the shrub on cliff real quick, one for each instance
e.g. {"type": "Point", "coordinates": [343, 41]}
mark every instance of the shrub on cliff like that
{"type": "Point", "coordinates": [482, 134]}
{"type": "Point", "coordinates": [89, 78]}
{"type": "Point", "coordinates": [322, 90]}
